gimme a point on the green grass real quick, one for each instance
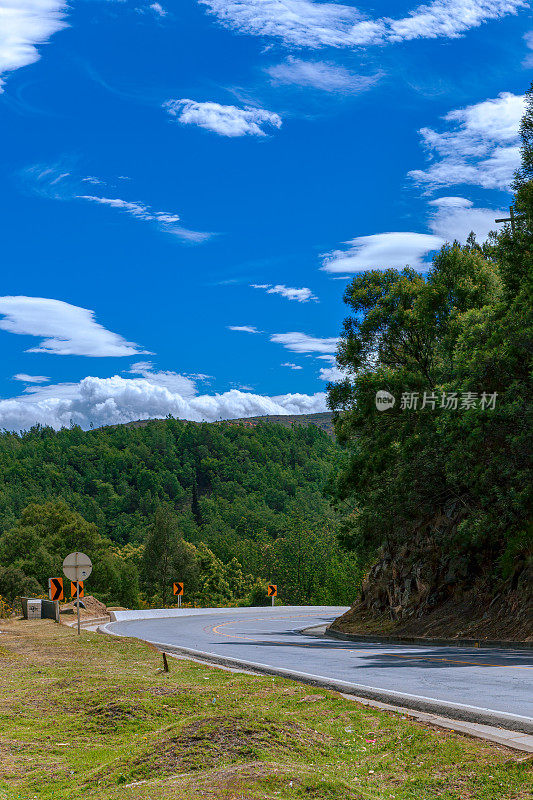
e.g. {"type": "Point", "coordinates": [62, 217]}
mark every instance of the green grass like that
{"type": "Point", "coordinates": [88, 717]}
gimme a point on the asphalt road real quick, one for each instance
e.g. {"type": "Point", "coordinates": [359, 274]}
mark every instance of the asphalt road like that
{"type": "Point", "coordinates": [493, 679]}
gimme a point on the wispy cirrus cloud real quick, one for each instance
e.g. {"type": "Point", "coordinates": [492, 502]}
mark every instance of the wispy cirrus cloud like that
{"type": "Point", "coordinates": [24, 26]}
{"type": "Point", "coordinates": [135, 209]}
{"type": "Point", "coordinates": [528, 60]}
{"type": "Point", "coordinates": [58, 182]}
{"type": "Point", "coordinates": [229, 121]}
{"type": "Point", "coordinates": [302, 295]}
{"type": "Point", "coordinates": [243, 328]}
{"type": "Point", "coordinates": [21, 376]}
{"type": "Point", "coordinates": [165, 220]}
{"type": "Point", "coordinates": [299, 342]}
{"type": "Point", "coordinates": [323, 75]}
{"type": "Point", "coordinates": [303, 23]}
{"type": "Point", "coordinates": [480, 146]}
{"type": "Point", "coordinates": [291, 365]}
{"type": "Point", "coordinates": [64, 329]}
{"type": "Point", "coordinates": [92, 179]}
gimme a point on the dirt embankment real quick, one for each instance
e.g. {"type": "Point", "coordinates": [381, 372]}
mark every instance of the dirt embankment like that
{"type": "Point", "coordinates": [428, 589]}
{"type": "Point", "coordinates": [90, 608]}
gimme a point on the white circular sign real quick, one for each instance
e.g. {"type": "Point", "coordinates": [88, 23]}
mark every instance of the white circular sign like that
{"type": "Point", "coordinates": [77, 566]}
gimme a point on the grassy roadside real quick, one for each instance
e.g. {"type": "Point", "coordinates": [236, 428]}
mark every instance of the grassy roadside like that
{"type": "Point", "coordinates": [91, 717]}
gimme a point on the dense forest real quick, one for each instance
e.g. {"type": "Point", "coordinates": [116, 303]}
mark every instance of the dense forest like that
{"type": "Point", "coordinates": [223, 507]}
{"type": "Point", "coordinates": [438, 484]}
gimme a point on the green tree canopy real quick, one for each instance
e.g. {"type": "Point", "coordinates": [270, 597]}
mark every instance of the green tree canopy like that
{"type": "Point", "coordinates": [465, 328]}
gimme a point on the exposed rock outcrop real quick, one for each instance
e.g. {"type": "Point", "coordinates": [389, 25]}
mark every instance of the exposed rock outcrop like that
{"type": "Point", "coordinates": [428, 588]}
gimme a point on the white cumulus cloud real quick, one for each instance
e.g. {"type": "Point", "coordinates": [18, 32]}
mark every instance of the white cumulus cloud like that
{"type": "Point", "coordinates": [332, 374]}
{"type": "Point", "coordinates": [302, 295]}
{"type": "Point", "coordinates": [64, 329]}
{"type": "Point", "coordinates": [115, 400]}
{"type": "Point", "coordinates": [173, 381]}
{"type": "Point", "coordinates": [381, 251]}
{"type": "Point", "coordinates": [224, 120]}
{"type": "Point", "coordinates": [454, 217]}
{"type": "Point", "coordinates": [480, 146]}
{"type": "Point", "coordinates": [158, 9]}
{"type": "Point", "coordinates": [303, 343]}
{"type": "Point", "coordinates": [25, 24]}
{"type": "Point", "coordinates": [290, 365]}
{"type": "Point", "coordinates": [322, 75]}
{"type": "Point", "coordinates": [449, 18]}
{"type": "Point", "coordinates": [303, 23]}
{"type": "Point", "coordinates": [297, 22]}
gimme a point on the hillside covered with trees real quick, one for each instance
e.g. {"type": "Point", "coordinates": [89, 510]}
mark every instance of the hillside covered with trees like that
{"type": "Point", "coordinates": [222, 506]}
{"type": "Point", "coordinates": [438, 484]}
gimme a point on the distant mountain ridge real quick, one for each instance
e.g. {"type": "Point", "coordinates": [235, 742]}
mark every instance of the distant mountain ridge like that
{"type": "Point", "coordinates": [322, 420]}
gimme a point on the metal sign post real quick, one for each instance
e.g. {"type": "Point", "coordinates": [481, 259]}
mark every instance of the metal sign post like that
{"type": "Point", "coordinates": [177, 588]}
{"type": "Point", "coordinates": [272, 591]}
{"type": "Point", "coordinates": [77, 566]}
{"type": "Point", "coordinates": [78, 604]}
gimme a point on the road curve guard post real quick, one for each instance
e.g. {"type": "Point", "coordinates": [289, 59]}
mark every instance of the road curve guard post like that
{"type": "Point", "coordinates": [177, 588]}
{"type": "Point", "coordinates": [272, 591]}
{"type": "Point", "coordinates": [77, 567]}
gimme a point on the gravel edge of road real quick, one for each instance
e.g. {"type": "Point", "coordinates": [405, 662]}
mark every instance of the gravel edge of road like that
{"type": "Point", "coordinates": [454, 711]}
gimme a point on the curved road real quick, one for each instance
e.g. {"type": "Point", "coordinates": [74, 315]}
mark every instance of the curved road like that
{"type": "Point", "coordinates": [489, 679]}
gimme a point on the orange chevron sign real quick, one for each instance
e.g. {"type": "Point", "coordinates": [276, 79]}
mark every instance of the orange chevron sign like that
{"type": "Point", "coordinates": [73, 592]}
{"type": "Point", "coordinates": [55, 588]}
{"type": "Point", "coordinates": [272, 590]}
{"type": "Point", "coordinates": [178, 589]}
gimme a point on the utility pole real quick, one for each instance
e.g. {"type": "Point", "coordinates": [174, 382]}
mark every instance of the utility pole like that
{"type": "Point", "coordinates": [511, 219]}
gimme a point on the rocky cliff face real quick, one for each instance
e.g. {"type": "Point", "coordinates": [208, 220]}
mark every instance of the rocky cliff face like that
{"type": "Point", "coordinates": [426, 588]}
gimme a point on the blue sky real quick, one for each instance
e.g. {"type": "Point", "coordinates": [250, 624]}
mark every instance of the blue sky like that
{"type": "Point", "coordinates": [187, 187]}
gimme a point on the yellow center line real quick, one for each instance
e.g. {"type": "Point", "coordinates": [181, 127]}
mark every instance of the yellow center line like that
{"type": "Point", "coordinates": [455, 661]}
{"type": "Point", "coordinates": [216, 629]}
{"type": "Point", "coordinates": [256, 619]}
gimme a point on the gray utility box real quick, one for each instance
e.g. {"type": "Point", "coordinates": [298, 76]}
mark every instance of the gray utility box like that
{"type": "Point", "coordinates": [34, 608]}
{"type": "Point", "coordinates": [40, 609]}
{"type": "Point", "coordinates": [31, 608]}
